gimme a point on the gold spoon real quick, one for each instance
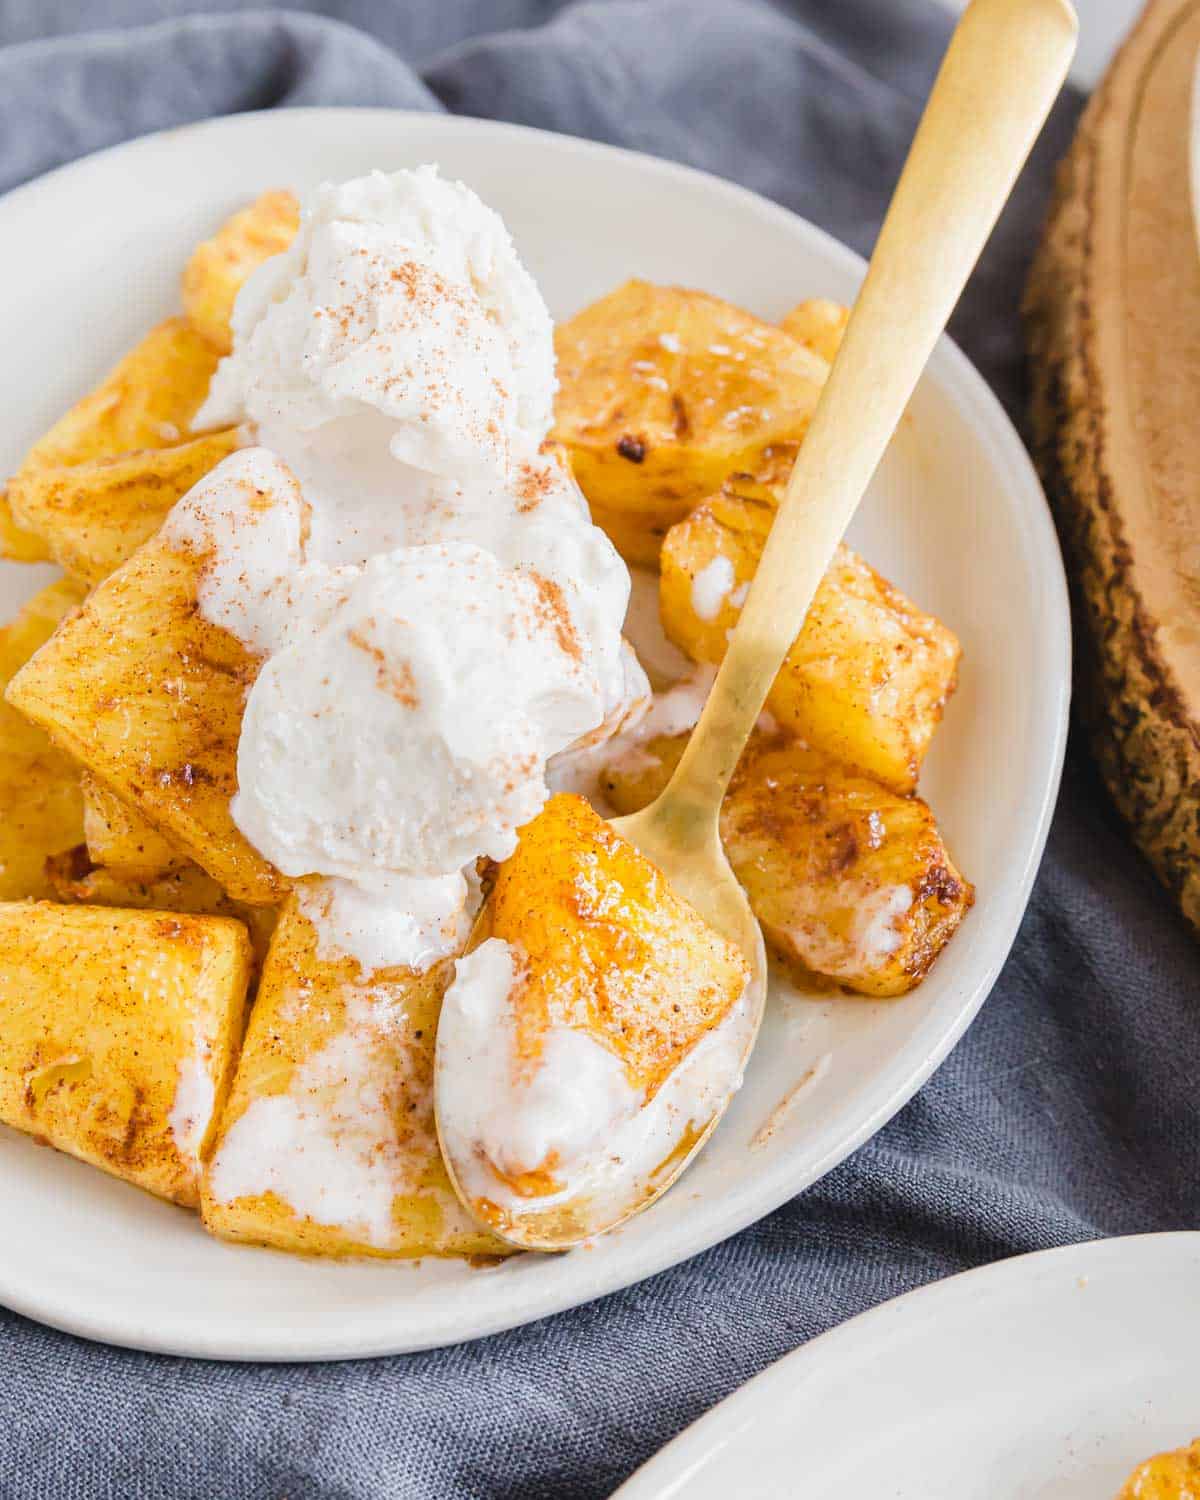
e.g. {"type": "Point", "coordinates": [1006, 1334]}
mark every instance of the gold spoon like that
{"type": "Point", "coordinates": [1005, 64]}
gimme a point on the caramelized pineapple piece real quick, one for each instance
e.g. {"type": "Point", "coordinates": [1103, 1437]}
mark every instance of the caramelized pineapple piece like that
{"type": "Point", "coordinates": [587, 983]}
{"type": "Point", "coordinates": [119, 837]}
{"type": "Point", "coordinates": [214, 275]}
{"type": "Point", "coordinates": [1166, 1476]}
{"type": "Point", "coordinates": [74, 878]}
{"type": "Point", "coordinates": [124, 1065]}
{"type": "Point", "coordinates": [578, 900]}
{"type": "Point", "coordinates": [328, 1143]}
{"type": "Point", "coordinates": [849, 881]}
{"type": "Point", "coordinates": [41, 810]}
{"type": "Point", "coordinates": [93, 516]}
{"type": "Point", "coordinates": [148, 400]}
{"type": "Point", "coordinates": [868, 677]}
{"type": "Point", "coordinates": [148, 697]}
{"type": "Point", "coordinates": [663, 392]}
{"type": "Point", "coordinates": [819, 325]}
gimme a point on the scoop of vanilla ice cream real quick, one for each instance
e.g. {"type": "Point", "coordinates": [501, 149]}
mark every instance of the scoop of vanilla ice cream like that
{"type": "Point", "coordinates": [410, 732]}
{"type": "Point", "coordinates": [249, 524]}
{"type": "Point", "coordinates": [400, 323]}
{"type": "Point", "coordinates": [436, 616]}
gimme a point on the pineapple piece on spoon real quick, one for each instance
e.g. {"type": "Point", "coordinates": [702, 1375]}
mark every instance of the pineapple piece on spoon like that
{"type": "Point", "coordinates": [593, 1029]}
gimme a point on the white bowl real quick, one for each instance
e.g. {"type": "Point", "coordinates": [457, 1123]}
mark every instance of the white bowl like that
{"type": "Point", "coordinates": [955, 516]}
{"type": "Point", "coordinates": [1048, 1377]}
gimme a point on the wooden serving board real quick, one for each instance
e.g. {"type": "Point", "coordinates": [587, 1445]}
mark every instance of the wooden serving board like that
{"type": "Point", "coordinates": [1112, 314]}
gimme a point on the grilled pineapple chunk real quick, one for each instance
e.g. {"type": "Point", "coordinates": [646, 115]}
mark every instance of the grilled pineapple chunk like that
{"type": "Point", "coordinates": [594, 944]}
{"type": "Point", "coordinates": [92, 516]}
{"type": "Point", "coordinates": [662, 393]}
{"type": "Point", "coordinates": [577, 900]}
{"type": "Point", "coordinates": [148, 400]}
{"type": "Point", "coordinates": [214, 275]}
{"type": "Point", "coordinates": [148, 697]}
{"type": "Point", "coordinates": [125, 1065]}
{"type": "Point", "coordinates": [850, 882]}
{"type": "Point", "coordinates": [41, 810]}
{"type": "Point", "coordinates": [75, 879]}
{"type": "Point", "coordinates": [866, 680]}
{"type": "Point", "coordinates": [819, 325]}
{"type": "Point", "coordinates": [328, 1142]}
{"type": "Point", "coordinates": [119, 838]}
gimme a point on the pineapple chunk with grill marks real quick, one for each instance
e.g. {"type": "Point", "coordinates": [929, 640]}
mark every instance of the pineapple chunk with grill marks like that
{"type": "Point", "coordinates": [868, 677]}
{"type": "Point", "coordinates": [93, 516]}
{"type": "Point", "coordinates": [851, 882]}
{"type": "Point", "coordinates": [663, 392]}
{"type": "Point", "coordinates": [219, 266]}
{"type": "Point", "coordinates": [148, 697]}
{"type": "Point", "coordinates": [127, 1065]}
{"type": "Point", "coordinates": [41, 809]}
{"type": "Point", "coordinates": [328, 1144]}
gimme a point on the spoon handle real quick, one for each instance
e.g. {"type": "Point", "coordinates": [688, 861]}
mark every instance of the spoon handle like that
{"type": "Point", "coordinates": [1006, 62]}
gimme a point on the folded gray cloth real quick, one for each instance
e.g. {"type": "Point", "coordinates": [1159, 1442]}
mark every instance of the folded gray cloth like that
{"type": "Point", "coordinates": [1068, 1111]}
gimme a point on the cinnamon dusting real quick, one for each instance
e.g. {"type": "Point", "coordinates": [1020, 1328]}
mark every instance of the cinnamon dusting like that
{"type": "Point", "coordinates": [553, 611]}
{"type": "Point", "coordinates": [533, 484]}
{"type": "Point", "coordinates": [395, 679]}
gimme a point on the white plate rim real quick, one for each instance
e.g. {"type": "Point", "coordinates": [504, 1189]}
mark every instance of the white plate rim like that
{"type": "Point", "coordinates": [960, 381]}
{"type": "Point", "coordinates": [663, 1476]}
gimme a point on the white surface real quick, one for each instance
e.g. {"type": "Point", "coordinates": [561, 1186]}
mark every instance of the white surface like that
{"type": "Point", "coordinates": [1102, 27]}
{"type": "Point", "coordinates": [1046, 1377]}
{"type": "Point", "coordinates": [955, 516]}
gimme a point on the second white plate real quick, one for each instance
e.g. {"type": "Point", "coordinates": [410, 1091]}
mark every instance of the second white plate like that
{"type": "Point", "coordinates": [1046, 1377]}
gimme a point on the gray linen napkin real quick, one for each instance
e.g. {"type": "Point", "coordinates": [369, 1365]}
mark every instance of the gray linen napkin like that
{"type": "Point", "coordinates": [1068, 1111]}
